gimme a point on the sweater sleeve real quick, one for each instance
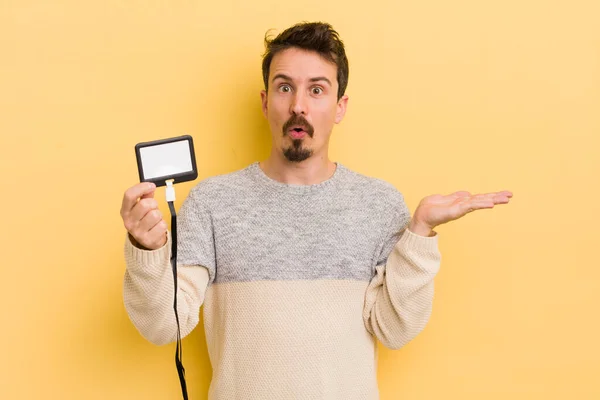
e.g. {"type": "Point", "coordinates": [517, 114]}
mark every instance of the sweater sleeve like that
{"type": "Point", "coordinates": [398, 299]}
{"type": "Point", "coordinates": [148, 283]}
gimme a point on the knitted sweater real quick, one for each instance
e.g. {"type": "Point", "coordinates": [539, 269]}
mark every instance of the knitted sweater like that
{"type": "Point", "coordinates": [297, 283]}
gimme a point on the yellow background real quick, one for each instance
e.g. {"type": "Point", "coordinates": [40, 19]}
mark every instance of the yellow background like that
{"type": "Point", "coordinates": [444, 96]}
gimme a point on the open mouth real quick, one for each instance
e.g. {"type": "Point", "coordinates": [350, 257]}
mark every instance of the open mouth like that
{"type": "Point", "coordinates": [297, 133]}
{"type": "Point", "coordinates": [298, 127]}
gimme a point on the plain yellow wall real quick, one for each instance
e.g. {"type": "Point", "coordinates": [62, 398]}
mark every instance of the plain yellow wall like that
{"type": "Point", "coordinates": [444, 96]}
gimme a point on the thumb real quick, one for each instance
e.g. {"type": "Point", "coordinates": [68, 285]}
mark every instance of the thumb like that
{"type": "Point", "coordinates": [150, 193]}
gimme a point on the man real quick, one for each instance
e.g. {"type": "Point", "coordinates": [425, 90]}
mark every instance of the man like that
{"type": "Point", "coordinates": [300, 263]}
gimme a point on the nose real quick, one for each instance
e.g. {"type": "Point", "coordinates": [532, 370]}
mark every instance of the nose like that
{"type": "Point", "coordinates": [299, 105]}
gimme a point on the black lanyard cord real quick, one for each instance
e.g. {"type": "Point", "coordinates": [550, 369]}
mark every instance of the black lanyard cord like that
{"type": "Point", "coordinates": [179, 348]}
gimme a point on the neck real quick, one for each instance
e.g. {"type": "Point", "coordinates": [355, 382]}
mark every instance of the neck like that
{"type": "Point", "coordinates": [313, 170]}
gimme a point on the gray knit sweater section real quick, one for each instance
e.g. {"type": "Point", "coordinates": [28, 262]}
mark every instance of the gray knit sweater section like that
{"type": "Point", "coordinates": [244, 226]}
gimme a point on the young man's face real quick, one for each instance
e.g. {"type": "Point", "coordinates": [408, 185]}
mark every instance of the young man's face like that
{"type": "Point", "coordinates": [301, 104]}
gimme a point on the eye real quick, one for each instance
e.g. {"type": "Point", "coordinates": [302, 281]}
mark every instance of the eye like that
{"type": "Point", "coordinates": [317, 90]}
{"type": "Point", "coordinates": [285, 88]}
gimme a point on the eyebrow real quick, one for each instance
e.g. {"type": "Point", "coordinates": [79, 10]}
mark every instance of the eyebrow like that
{"type": "Point", "coordinates": [315, 79]}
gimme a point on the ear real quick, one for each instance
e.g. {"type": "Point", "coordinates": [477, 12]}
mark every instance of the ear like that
{"type": "Point", "coordinates": [264, 100]}
{"type": "Point", "coordinates": [341, 109]}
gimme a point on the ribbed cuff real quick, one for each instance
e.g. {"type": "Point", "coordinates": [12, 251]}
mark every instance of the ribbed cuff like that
{"type": "Point", "coordinates": [420, 244]}
{"type": "Point", "coordinates": [147, 259]}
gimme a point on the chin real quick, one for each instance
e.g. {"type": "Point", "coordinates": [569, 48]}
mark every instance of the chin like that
{"type": "Point", "coordinates": [297, 153]}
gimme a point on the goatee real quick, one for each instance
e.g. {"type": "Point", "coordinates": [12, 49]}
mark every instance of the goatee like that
{"type": "Point", "coordinates": [297, 153]}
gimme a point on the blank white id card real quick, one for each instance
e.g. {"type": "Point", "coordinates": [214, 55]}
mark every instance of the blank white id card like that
{"type": "Point", "coordinates": [165, 159]}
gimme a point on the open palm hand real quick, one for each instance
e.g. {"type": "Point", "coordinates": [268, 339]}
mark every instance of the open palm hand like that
{"type": "Point", "coordinates": [437, 209]}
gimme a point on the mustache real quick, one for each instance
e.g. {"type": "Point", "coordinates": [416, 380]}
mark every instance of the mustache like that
{"type": "Point", "coordinates": [298, 120]}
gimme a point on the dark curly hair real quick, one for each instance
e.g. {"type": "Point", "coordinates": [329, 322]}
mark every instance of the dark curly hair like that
{"type": "Point", "coordinates": [315, 36]}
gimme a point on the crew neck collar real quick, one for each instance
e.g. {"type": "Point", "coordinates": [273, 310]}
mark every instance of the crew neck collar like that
{"type": "Point", "coordinates": [257, 171]}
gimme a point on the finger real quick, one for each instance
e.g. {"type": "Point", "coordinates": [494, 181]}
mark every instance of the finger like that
{"type": "Point", "coordinates": [460, 193]}
{"type": "Point", "coordinates": [489, 199]}
{"type": "Point", "coordinates": [160, 227]}
{"type": "Point", "coordinates": [476, 204]}
{"type": "Point", "coordinates": [132, 195]}
{"type": "Point", "coordinates": [477, 197]}
{"type": "Point", "coordinates": [149, 195]}
{"type": "Point", "coordinates": [506, 193]}
{"type": "Point", "coordinates": [150, 220]}
{"type": "Point", "coordinates": [155, 237]}
{"type": "Point", "coordinates": [500, 199]}
{"type": "Point", "coordinates": [490, 196]}
{"type": "Point", "coordinates": [142, 208]}
{"type": "Point", "coordinates": [133, 218]}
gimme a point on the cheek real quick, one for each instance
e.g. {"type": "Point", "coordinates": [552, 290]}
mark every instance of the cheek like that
{"type": "Point", "coordinates": [326, 120]}
{"type": "Point", "coordinates": [277, 116]}
{"type": "Point", "coordinates": [277, 110]}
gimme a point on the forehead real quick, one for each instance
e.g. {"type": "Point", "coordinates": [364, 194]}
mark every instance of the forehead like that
{"type": "Point", "coordinates": [301, 65]}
